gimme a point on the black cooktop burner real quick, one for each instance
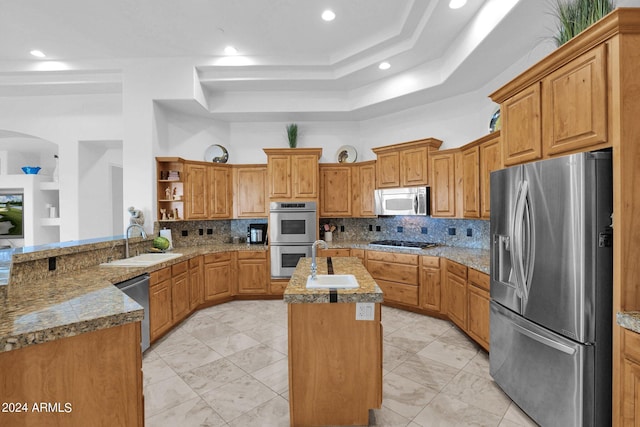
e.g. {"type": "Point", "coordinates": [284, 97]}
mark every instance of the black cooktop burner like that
{"type": "Point", "coordinates": [404, 244]}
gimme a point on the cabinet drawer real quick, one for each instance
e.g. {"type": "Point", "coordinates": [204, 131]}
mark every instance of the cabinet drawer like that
{"type": "Point", "coordinates": [252, 254]}
{"type": "Point", "coordinates": [479, 279]}
{"type": "Point", "coordinates": [631, 345]}
{"type": "Point", "coordinates": [430, 261]}
{"type": "Point", "coordinates": [393, 257]}
{"type": "Point", "coordinates": [277, 287]}
{"type": "Point", "coordinates": [457, 269]}
{"type": "Point", "coordinates": [161, 275]}
{"type": "Point", "coordinates": [217, 257]}
{"type": "Point", "coordinates": [395, 272]}
{"type": "Point", "coordinates": [195, 262]}
{"type": "Point", "coordinates": [398, 292]}
{"type": "Point", "coordinates": [180, 268]}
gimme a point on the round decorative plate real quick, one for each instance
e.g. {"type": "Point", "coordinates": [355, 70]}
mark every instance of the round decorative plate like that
{"type": "Point", "coordinates": [346, 154]}
{"type": "Point", "coordinates": [216, 153]}
{"type": "Point", "coordinates": [494, 123]}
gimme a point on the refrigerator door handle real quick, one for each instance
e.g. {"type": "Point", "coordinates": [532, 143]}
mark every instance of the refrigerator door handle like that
{"type": "Point", "coordinates": [544, 340]}
{"type": "Point", "coordinates": [517, 236]}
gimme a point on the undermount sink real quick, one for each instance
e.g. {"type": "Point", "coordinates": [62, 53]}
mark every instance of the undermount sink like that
{"type": "Point", "coordinates": [143, 260]}
{"type": "Point", "coordinates": [333, 281]}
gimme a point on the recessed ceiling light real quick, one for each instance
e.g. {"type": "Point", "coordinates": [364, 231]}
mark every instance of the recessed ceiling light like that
{"type": "Point", "coordinates": [230, 50]}
{"type": "Point", "coordinates": [384, 65]}
{"type": "Point", "coordinates": [457, 4]}
{"type": "Point", "coordinates": [328, 15]}
{"type": "Point", "coordinates": [37, 53]}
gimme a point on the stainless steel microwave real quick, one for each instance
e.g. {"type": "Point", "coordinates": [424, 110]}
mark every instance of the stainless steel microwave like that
{"type": "Point", "coordinates": [403, 201]}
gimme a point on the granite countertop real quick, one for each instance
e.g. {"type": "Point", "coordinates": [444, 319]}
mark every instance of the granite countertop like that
{"type": "Point", "coordinates": [629, 320]}
{"type": "Point", "coordinates": [297, 291]}
{"type": "Point", "coordinates": [478, 259]}
{"type": "Point", "coordinates": [82, 301]}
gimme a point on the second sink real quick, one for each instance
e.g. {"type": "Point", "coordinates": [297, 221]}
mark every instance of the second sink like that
{"type": "Point", "coordinates": [143, 260]}
{"type": "Point", "coordinates": [335, 281]}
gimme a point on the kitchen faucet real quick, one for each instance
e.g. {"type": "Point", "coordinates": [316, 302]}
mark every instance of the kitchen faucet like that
{"type": "Point", "coordinates": [126, 237]}
{"type": "Point", "coordinates": [314, 266]}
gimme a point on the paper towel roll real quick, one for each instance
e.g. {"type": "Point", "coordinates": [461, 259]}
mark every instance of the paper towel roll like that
{"type": "Point", "coordinates": [167, 234]}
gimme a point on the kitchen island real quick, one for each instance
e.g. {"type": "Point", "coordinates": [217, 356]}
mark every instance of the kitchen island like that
{"type": "Point", "coordinates": [335, 347]}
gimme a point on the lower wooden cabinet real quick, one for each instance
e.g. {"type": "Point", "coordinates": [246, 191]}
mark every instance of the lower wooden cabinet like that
{"type": "Point", "coordinates": [478, 307]}
{"type": "Point", "coordinates": [218, 276]}
{"type": "Point", "coordinates": [180, 302]}
{"type": "Point", "coordinates": [359, 253]}
{"type": "Point", "coordinates": [397, 275]}
{"type": "Point", "coordinates": [196, 282]}
{"type": "Point", "coordinates": [456, 288]}
{"type": "Point", "coordinates": [160, 309]}
{"type": "Point", "coordinates": [430, 290]}
{"type": "Point", "coordinates": [630, 410]}
{"type": "Point", "coordinates": [334, 252]}
{"type": "Point", "coordinates": [253, 273]}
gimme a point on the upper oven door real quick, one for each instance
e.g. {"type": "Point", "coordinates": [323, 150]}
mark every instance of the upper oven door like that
{"type": "Point", "coordinates": [292, 227]}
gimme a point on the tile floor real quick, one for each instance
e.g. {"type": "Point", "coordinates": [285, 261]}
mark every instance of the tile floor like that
{"type": "Point", "coordinates": [227, 366]}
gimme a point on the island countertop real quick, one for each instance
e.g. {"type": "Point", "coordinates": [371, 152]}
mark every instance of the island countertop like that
{"type": "Point", "coordinates": [297, 292]}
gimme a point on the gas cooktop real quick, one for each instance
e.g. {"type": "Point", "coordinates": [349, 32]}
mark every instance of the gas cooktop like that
{"type": "Point", "coordinates": [404, 244]}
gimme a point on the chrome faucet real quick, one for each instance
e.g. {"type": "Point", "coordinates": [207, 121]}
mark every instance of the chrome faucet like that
{"type": "Point", "coordinates": [314, 266]}
{"type": "Point", "coordinates": [126, 237]}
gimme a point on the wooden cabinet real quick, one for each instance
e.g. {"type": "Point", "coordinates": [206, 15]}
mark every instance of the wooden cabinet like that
{"type": "Point", "coordinates": [359, 253]}
{"type": "Point", "coordinates": [250, 195]}
{"type": "Point", "coordinates": [574, 104]}
{"type": "Point", "coordinates": [522, 126]}
{"type": "Point", "coordinates": [406, 164]}
{"type": "Point", "coordinates": [430, 290]}
{"type": "Point", "coordinates": [219, 191]}
{"type": "Point", "coordinates": [208, 191]}
{"type": "Point", "coordinates": [170, 187]}
{"type": "Point", "coordinates": [336, 186]}
{"type": "Point", "coordinates": [196, 282]}
{"type": "Point", "coordinates": [218, 276]}
{"type": "Point", "coordinates": [364, 185]}
{"type": "Point", "coordinates": [335, 252]}
{"type": "Point", "coordinates": [293, 173]}
{"type": "Point", "coordinates": [397, 275]}
{"type": "Point", "coordinates": [197, 183]}
{"type": "Point", "coordinates": [490, 160]}
{"type": "Point", "coordinates": [471, 182]}
{"type": "Point", "coordinates": [446, 183]}
{"type": "Point", "coordinates": [478, 307]}
{"type": "Point", "coordinates": [253, 273]}
{"type": "Point", "coordinates": [180, 301]}
{"type": "Point", "coordinates": [631, 379]}
{"type": "Point", "coordinates": [456, 293]}
{"type": "Point", "coordinates": [160, 309]}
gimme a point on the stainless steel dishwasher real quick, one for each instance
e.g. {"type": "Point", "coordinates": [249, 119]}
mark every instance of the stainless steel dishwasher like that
{"type": "Point", "coordinates": [138, 290]}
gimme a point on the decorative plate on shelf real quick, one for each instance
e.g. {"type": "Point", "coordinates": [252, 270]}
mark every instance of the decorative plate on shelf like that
{"type": "Point", "coordinates": [346, 154]}
{"type": "Point", "coordinates": [494, 123]}
{"type": "Point", "coordinates": [216, 153]}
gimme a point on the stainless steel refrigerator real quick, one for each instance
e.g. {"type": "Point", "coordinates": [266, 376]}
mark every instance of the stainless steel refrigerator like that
{"type": "Point", "coordinates": [551, 288]}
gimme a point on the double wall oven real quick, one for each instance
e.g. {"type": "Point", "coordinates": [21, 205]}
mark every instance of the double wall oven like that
{"type": "Point", "coordinates": [292, 231]}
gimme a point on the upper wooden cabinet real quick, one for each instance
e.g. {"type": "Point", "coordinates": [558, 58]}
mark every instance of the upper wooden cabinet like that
{"type": "Point", "coordinates": [490, 160]}
{"type": "Point", "coordinates": [336, 190]}
{"type": "Point", "coordinates": [219, 191]}
{"type": "Point", "coordinates": [574, 104]}
{"type": "Point", "coordinates": [170, 188]}
{"type": "Point", "coordinates": [364, 185]}
{"type": "Point", "coordinates": [208, 191]}
{"type": "Point", "coordinates": [406, 164]}
{"type": "Point", "coordinates": [471, 182]}
{"type": "Point", "coordinates": [250, 195]}
{"type": "Point", "coordinates": [293, 173]}
{"type": "Point", "coordinates": [522, 126]}
{"type": "Point", "coordinates": [197, 182]}
{"type": "Point", "coordinates": [446, 183]}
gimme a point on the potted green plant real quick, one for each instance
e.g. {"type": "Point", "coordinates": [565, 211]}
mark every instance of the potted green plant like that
{"type": "Point", "coordinates": [576, 15]}
{"type": "Point", "coordinates": [292, 135]}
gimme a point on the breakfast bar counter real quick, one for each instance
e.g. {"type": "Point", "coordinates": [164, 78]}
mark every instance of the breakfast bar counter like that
{"type": "Point", "coordinates": [335, 347]}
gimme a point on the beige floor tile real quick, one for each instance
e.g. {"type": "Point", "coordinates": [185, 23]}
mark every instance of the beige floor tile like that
{"type": "Point", "coordinates": [212, 375]}
{"type": "Point", "coordinates": [427, 372]}
{"type": "Point", "coordinates": [449, 354]}
{"type": "Point", "coordinates": [155, 370]}
{"type": "Point", "coordinates": [255, 358]}
{"type": "Point", "coordinates": [275, 376]}
{"type": "Point", "coordinates": [192, 413]}
{"type": "Point", "coordinates": [238, 397]}
{"type": "Point", "coordinates": [274, 413]}
{"type": "Point", "coordinates": [479, 392]}
{"type": "Point", "coordinates": [227, 345]}
{"type": "Point", "coordinates": [404, 396]}
{"type": "Point", "coordinates": [166, 394]}
{"type": "Point", "coordinates": [447, 411]}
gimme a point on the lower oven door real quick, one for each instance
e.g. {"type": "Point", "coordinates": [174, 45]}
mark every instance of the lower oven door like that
{"type": "Point", "coordinates": [284, 259]}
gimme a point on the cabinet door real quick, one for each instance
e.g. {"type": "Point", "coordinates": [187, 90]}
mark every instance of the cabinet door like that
{"type": "Point", "coordinates": [180, 302]}
{"type": "Point", "coordinates": [388, 170]}
{"type": "Point", "coordinates": [250, 197]}
{"type": "Point", "coordinates": [364, 185]}
{"type": "Point", "coordinates": [196, 283]}
{"type": "Point", "coordinates": [522, 127]}
{"type": "Point", "coordinates": [430, 291]}
{"type": "Point", "coordinates": [335, 191]}
{"type": "Point", "coordinates": [252, 273]}
{"type": "Point", "coordinates": [631, 394]}
{"type": "Point", "coordinates": [197, 192]}
{"type": "Point", "coordinates": [279, 168]}
{"type": "Point", "coordinates": [471, 182]}
{"type": "Point", "coordinates": [337, 252]}
{"type": "Point", "coordinates": [304, 170]}
{"type": "Point", "coordinates": [219, 192]}
{"type": "Point", "coordinates": [490, 160]}
{"type": "Point", "coordinates": [414, 169]}
{"type": "Point", "coordinates": [217, 280]}
{"type": "Point", "coordinates": [359, 253]}
{"type": "Point", "coordinates": [478, 315]}
{"type": "Point", "coordinates": [457, 300]}
{"type": "Point", "coordinates": [575, 104]}
{"type": "Point", "coordinates": [160, 318]}
{"type": "Point", "coordinates": [443, 191]}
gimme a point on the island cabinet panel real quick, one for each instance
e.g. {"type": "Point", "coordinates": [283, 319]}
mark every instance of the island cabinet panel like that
{"type": "Point", "coordinates": [430, 289]}
{"type": "Point", "coordinates": [218, 276]}
{"type": "Point", "coordinates": [522, 126]}
{"type": "Point", "coordinates": [335, 364]}
{"type": "Point", "coordinates": [253, 273]}
{"type": "Point", "coordinates": [180, 301]}
{"type": "Point", "coordinates": [471, 182]}
{"type": "Point", "coordinates": [478, 307]}
{"type": "Point", "coordinates": [443, 184]}
{"type": "Point", "coordinates": [456, 288]}
{"type": "Point", "coordinates": [250, 195]}
{"type": "Point", "coordinates": [336, 186]}
{"type": "Point", "coordinates": [196, 282]}
{"type": "Point", "coordinates": [397, 275]}
{"type": "Point", "coordinates": [98, 373]}
{"type": "Point", "coordinates": [575, 104]}
{"type": "Point", "coordinates": [364, 185]}
{"type": "Point", "coordinates": [160, 306]}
